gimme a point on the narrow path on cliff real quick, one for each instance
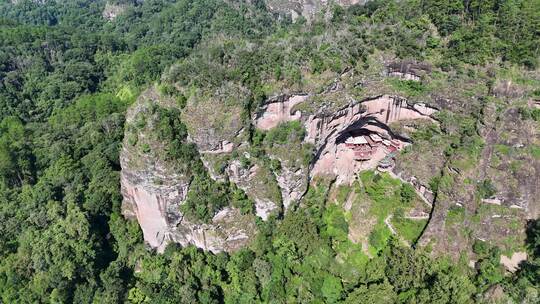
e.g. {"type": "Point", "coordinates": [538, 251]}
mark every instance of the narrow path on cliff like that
{"type": "Point", "coordinates": [389, 225]}
{"type": "Point", "coordinates": [415, 190]}
{"type": "Point", "coordinates": [423, 217]}
{"type": "Point", "coordinates": [387, 222]}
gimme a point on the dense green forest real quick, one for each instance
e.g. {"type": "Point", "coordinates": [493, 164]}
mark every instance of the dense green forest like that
{"type": "Point", "coordinates": [67, 76]}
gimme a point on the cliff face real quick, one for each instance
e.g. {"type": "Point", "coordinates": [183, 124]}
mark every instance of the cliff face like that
{"type": "Point", "coordinates": [372, 116]}
{"type": "Point", "coordinates": [278, 110]}
{"type": "Point", "coordinates": [154, 189]}
{"type": "Point", "coordinates": [492, 200]}
{"type": "Point", "coordinates": [251, 180]}
{"type": "Point", "coordinates": [305, 8]}
{"type": "Point", "coordinates": [157, 211]}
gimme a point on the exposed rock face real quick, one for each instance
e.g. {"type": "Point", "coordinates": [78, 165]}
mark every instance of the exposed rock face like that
{"type": "Point", "coordinates": [384, 109]}
{"type": "Point", "coordinates": [246, 179]}
{"type": "Point", "coordinates": [153, 192]}
{"type": "Point", "coordinates": [154, 207]}
{"type": "Point", "coordinates": [157, 211]}
{"type": "Point", "coordinates": [512, 263]}
{"type": "Point", "coordinates": [305, 8]}
{"type": "Point", "coordinates": [214, 119]}
{"type": "Point", "coordinates": [278, 110]}
{"type": "Point", "coordinates": [111, 11]}
{"type": "Point", "coordinates": [505, 161]}
{"type": "Point", "coordinates": [408, 70]}
{"type": "Point", "coordinates": [223, 147]}
{"type": "Point", "coordinates": [329, 131]}
{"type": "Point", "coordinates": [228, 231]}
{"type": "Point", "coordinates": [462, 215]}
{"type": "Point", "coordinates": [293, 184]}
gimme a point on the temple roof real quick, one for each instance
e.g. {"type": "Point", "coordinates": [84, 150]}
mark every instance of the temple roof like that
{"type": "Point", "coordinates": [375, 137]}
{"type": "Point", "coordinates": [358, 140]}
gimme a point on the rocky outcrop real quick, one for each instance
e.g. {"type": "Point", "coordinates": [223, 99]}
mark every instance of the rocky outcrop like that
{"type": "Point", "coordinates": [215, 122]}
{"type": "Point", "coordinates": [278, 110]}
{"type": "Point", "coordinates": [154, 189]}
{"type": "Point", "coordinates": [293, 184]}
{"type": "Point", "coordinates": [408, 70]}
{"type": "Point", "coordinates": [512, 263]}
{"type": "Point", "coordinates": [252, 180]}
{"type": "Point", "coordinates": [328, 133]}
{"type": "Point", "coordinates": [157, 212]}
{"type": "Point", "coordinates": [306, 8]}
{"type": "Point", "coordinates": [380, 110]}
{"type": "Point", "coordinates": [154, 206]}
{"type": "Point", "coordinates": [111, 11]}
{"type": "Point", "coordinates": [464, 211]}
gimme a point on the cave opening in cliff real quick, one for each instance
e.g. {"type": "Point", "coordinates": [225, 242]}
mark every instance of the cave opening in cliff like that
{"type": "Point", "coordinates": [371, 142]}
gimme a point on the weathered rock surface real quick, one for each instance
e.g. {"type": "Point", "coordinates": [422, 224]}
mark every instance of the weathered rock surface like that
{"type": "Point", "coordinates": [249, 179]}
{"type": "Point", "coordinates": [213, 123]}
{"type": "Point", "coordinates": [111, 11]}
{"type": "Point", "coordinates": [512, 263]}
{"type": "Point", "coordinates": [462, 215]}
{"type": "Point", "coordinates": [305, 8]}
{"type": "Point", "coordinates": [293, 184]}
{"type": "Point", "coordinates": [278, 110]}
{"type": "Point", "coordinates": [328, 133]}
{"type": "Point", "coordinates": [408, 70]}
{"type": "Point", "coordinates": [153, 191]}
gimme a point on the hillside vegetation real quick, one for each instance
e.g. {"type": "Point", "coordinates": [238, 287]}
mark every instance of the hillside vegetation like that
{"type": "Point", "coordinates": [68, 76]}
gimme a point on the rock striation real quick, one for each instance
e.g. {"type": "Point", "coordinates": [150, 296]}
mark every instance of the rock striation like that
{"type": "Point", "coordinates": [278, 110]}
{"type": "Point", "coordinates": [153, 191]}
{"type": "Point", "coordinates": [305, 8]}
{"type": "Point", "coordinates": [111, 11]}
{"type": "Point", "coordinates": [328, 133]}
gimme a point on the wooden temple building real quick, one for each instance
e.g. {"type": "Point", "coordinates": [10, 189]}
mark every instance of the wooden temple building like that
{"type": "Point", "coordinates": [365, 146]}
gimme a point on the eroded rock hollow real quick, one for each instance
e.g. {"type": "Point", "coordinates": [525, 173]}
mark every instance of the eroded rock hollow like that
{"type": "Point", "coordinates": [354, 138]}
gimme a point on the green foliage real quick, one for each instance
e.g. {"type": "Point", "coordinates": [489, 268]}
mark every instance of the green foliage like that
{"type": "Point", "coordinates": [16, 161]}
{"type": "Point", "coordinates": [336, 225]}
{"type": "Point", "coordinates": [408, 229]}
{"type": "Point", "coordinates": [407, 193]}
{"type": "Point", "coordinates": [67, 76]}
{"type": "Point", "coordinates": [535, 151]}
{"type": "Point", "coordinates": [240, 200]}
{"type": "Point", "coordinates": [524, 286]}
{"type": "Point", "coordinates": [404, 269]}
{"type": "Point", "coordinates": [527, 113]}
{"type": "Point", "coordinates": [434, 184]}
{"type": "Point", "coordinates": [331, 289]}
{"type": "Point", "coordinates": [379, 236]}
{"type": "Point", "coordinates": [455, 215]}
{"type": "Point", "coordinates": [408, 87]}
{"type": "Point", "coordinates": [205, 198]}
{"type": "Point", "coordinates": [77, 189]}
{"type": "Point", "coordinates": [425, 133]}
{"type": "Point", "coordinates": [372, 293]}
{"type": "Point", "coordinates": [451, 286]}
{"type": "Point", "coordinates": [490, 270]}
{"type": "Point", "coordinates": [481, 248]}
{"type": "Point", "coordinates": [299, 228]}
{"type": "Point", "coordinates": [285, 132]}
{"type": "Point", "coordinates": [486, 189]}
